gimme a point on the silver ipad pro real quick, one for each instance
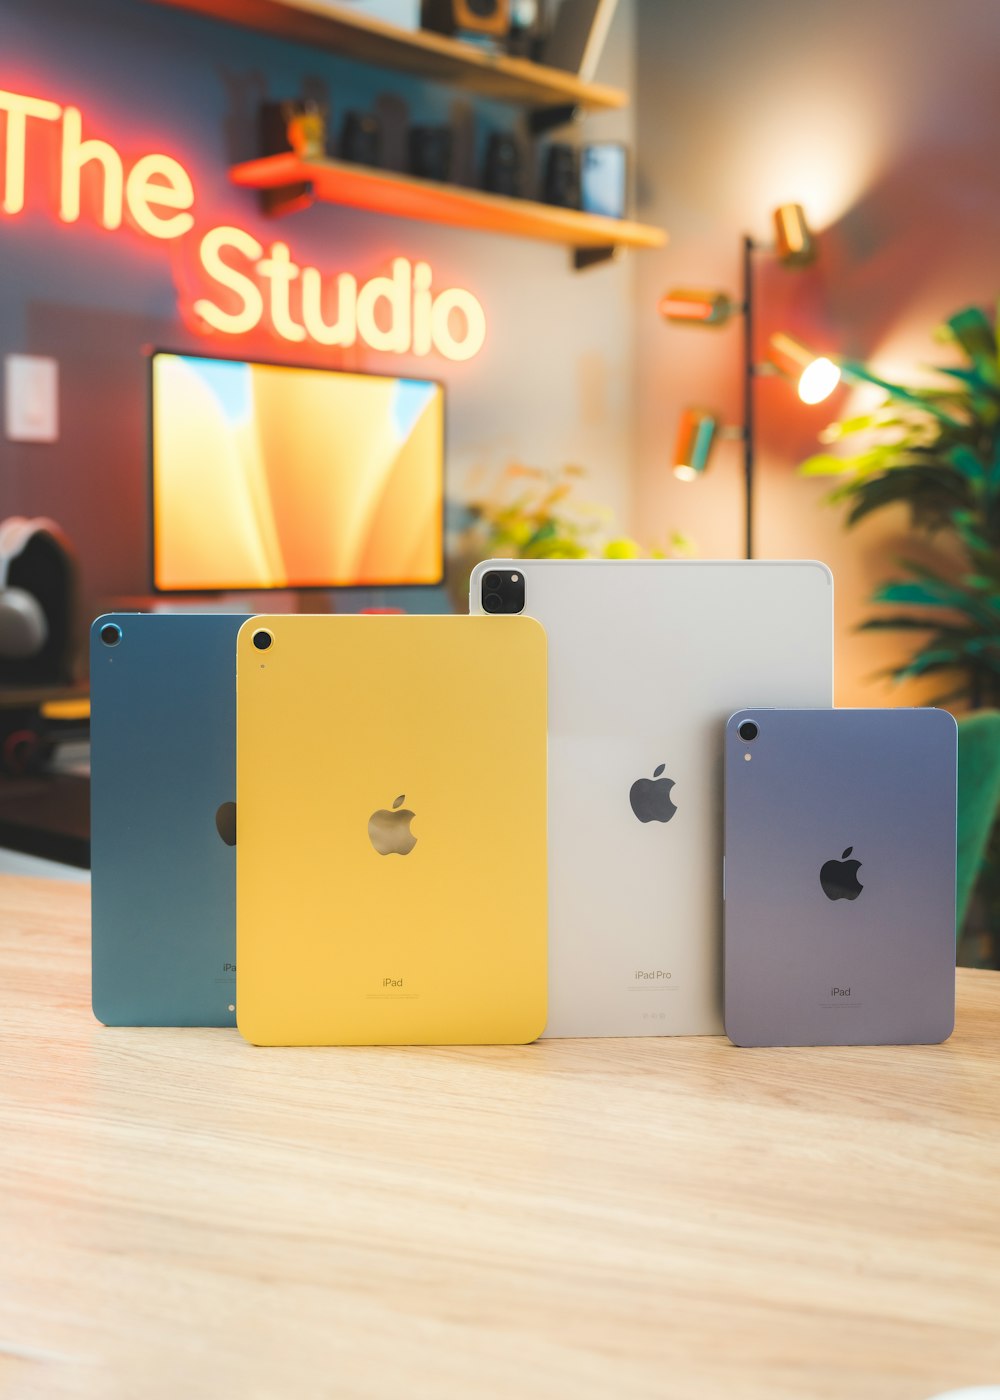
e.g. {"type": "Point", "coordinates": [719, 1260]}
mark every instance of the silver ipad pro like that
{"type": "Point", "coordinates": [647, 659]}
{"type": "Point", "coordinates": [840, 876]}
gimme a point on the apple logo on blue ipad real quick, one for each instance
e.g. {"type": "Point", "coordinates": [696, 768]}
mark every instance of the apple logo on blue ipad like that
{"type": "Point", "coordinates": [389, 832]}
{"type": "Point", "coordinates": [225, 822]}
{"type": "Point", "coordinates": [839, 878]}
{"type": "Point", "coordinates": [650, 797]}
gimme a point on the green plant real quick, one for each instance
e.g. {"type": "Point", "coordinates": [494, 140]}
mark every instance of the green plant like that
{"type": "Point", "coordinates": [936, 451]}
{"type": "Point", "coordinates": [534, 513]}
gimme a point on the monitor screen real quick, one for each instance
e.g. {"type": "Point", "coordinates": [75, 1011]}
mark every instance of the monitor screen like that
{"type": "Point", "coordinates": [270, 476]}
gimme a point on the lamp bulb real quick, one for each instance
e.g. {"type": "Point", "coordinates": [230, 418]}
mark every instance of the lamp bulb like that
{"type": "Point", "coordinates": [818, 380]}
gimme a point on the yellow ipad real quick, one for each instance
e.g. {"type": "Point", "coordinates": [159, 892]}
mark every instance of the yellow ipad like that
{"type": "Point", "coordinates": [391, 858]}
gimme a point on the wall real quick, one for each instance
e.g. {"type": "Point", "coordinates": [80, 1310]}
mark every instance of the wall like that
{"type": "Point", "coordinates": [552, 385]}
{"type": "Point", "coordinates": [881, 119]}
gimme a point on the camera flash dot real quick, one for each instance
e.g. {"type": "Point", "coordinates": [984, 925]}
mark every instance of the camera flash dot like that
{"type": "Point", "coordinates": [231, 1007]}
{"type": "Point", "coordinates": [513, 578]}
{"type": "Point", "coordinates": [747, 757]}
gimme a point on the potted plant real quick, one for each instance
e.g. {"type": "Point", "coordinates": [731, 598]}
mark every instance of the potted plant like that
{"type": "Point", "coordinates": [936, 451]}
{"type": "Point", "coordinates": [534, 513]}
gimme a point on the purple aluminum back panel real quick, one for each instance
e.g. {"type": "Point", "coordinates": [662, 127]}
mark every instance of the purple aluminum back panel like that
{"type": "Point", "coordinates": [821, 791]}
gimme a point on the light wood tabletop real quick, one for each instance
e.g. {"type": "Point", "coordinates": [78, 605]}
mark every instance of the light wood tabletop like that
{"type": "Point", "coordinates": [184, 1215]}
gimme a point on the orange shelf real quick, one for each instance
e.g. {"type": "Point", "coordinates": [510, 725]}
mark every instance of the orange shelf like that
{"type": "Point", "coordinates": [407, 197]}
{"type": "Point", "coordinates": [434, 56]}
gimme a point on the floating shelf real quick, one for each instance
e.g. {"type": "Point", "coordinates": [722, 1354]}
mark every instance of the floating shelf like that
{"type": "Point", "coordinates": [335, 27]}
{"type": "Point", "coordinates": [407, 197]}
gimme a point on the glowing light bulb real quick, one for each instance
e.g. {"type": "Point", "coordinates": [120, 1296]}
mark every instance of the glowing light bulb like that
{"type": "Point", "coordinates": [818, 380]}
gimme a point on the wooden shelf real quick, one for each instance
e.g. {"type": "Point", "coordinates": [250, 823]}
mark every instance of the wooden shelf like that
{"type": "Point", "coordinates": [340, 29]}
{"type": "Point", "coordinates": [406, 197]}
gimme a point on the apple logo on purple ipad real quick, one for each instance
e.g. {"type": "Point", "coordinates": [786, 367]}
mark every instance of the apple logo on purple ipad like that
{"type": "Point", "coordinates": [225, 822]}
{"type": "Point", "coordinates": [389, 832]}
{"type": "Point", "coordinates": [650, 797]}
{"type": "Point", "coordinates": [839, 878]}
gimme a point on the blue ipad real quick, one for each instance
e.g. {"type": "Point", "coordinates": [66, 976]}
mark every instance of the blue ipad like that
{"type": "Point", "coordinates": [163, 819]}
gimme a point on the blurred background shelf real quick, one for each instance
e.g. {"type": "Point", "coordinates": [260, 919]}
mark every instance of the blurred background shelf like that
{"type": "Point", "coordinates": [429, 55]}
{"type": "Point", "coordinates": [407, 197]}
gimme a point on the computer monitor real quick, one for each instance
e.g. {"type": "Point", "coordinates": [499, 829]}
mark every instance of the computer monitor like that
{"type": "Point", "coordinates": [274, 476]}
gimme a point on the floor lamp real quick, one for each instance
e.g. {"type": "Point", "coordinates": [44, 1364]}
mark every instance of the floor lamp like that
{"type": "Point", "coordinates": [815, 376]}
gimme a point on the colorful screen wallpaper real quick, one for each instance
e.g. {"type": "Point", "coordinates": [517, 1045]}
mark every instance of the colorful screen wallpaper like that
{"type": "Point", "coordinates": [268, 476]}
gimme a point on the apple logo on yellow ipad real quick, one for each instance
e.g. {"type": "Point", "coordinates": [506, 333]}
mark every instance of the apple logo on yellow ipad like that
{"type": "Point", "coordinates": [839, 878]}
{"type": "Point", "coordinates": [389, 832]}
{"type": "Point", "coordinates": [650, 797]}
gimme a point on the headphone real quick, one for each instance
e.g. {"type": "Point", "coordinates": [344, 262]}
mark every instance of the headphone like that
{"type": "Point", "coordinates": [24, 629]}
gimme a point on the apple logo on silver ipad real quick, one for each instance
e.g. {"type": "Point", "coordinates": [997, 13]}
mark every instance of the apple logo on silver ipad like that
{"type": "Point", "coordinates": [225, 822]}
{"type": "Point", "coordinates": [839, 878]}
{"type": "Point", "coordinates": [650, 797]}
{"type": "Point", "coordinates": [389, 832]}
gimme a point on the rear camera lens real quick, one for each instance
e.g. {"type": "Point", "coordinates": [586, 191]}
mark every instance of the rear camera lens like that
{"type": "Point", "coordinates": [262, 640]}
{"type": "Point", "coordinates": [502, 593]}
{"type": "Point", "coordinates": [111, 634]}
{"type": "Point", "coordinates": [748, 731]}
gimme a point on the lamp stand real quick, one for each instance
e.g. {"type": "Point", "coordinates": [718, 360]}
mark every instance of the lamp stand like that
{"type": "Point", "coordinates": [748, 376]}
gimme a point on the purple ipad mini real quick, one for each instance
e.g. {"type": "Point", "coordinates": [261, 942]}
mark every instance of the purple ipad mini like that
{"type": "Point", "coordinates": [839, 877]}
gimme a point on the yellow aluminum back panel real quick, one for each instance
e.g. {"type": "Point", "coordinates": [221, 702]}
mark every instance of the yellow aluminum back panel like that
{"type": "Point", "coordinates": [336, 943]}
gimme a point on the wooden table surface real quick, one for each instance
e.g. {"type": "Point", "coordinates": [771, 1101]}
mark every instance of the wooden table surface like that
{"type": "Point", "coordinates": [184, 1215]}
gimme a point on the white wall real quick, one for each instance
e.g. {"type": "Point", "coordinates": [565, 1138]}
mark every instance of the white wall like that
{"type": "Point", "coordinates": [556, 383]}
{"type": "Point", "coordinates": [881, 118]}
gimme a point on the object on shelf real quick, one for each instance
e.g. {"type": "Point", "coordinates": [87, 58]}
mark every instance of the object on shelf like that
{"type": "Point", "coordinates": [431, 152]}
{"type": "Point", "coordinates": [273, 139]}
{"type": "Point", "coordinates": [502, 169]}
{"type": "Point", "coordinates": [393, 115]}
{"type": "Point", "coordinates": [305, 128]}
{"type": "Point", "coordinates": [561, 182]}
{"type": "Point", "coordinates": [578, 36]}
{"type": "Point", "coordinates": [361, 139]}
{"type": "Point", "coordinates": [404, 14]}
{"type": "Point", "coordinates": [528, 29]}
{"type": "Point", "coordinates": [604, 179]}
{"type": "Point", "coordinates": [476, 18]}
{"type": "Point", "coordinates": [545, 119]}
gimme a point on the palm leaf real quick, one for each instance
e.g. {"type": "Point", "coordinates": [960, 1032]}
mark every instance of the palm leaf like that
{"type": "Point", "coordinates": [973, 331]}
{"type": "Point", "coordinates": [931, 495]}
{"type": "Point", "coordinates": [965, 462]}
{"type": "Point", "coordinates": [919, 594]}
{"type": "Point", "coordinates": [904, 622]}
{"type": "Point", "coordinates": [926, 662]}
{"type": "Point", "coordinates": [824, 464]}
{"type": "Point", "coordinates": [929, 400]}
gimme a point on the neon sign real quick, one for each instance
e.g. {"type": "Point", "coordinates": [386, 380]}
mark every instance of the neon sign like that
{"type": "Point", "coordinates": [248, 284]}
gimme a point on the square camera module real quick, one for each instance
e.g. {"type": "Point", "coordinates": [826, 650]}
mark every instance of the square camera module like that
{"type": "Point", "coordinates": [502, 591]}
